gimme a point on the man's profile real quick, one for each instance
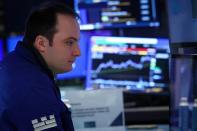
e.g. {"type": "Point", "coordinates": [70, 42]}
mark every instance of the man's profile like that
{"type": "Point", "coordinates": [29, 97]}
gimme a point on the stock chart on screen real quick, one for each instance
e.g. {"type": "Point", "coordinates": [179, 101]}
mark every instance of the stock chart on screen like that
{"type": "Point", "coordinates": [132, 63]}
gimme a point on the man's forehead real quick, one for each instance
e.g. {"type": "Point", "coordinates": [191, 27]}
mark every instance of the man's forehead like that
{"type": "Point", "coordinates": [68, 26]}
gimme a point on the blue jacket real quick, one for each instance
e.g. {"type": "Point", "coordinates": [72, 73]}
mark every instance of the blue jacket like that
{"type": "Point", "coordinates": [29, 98]}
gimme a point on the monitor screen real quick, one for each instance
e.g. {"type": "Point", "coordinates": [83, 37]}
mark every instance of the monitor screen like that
{"type": "Point", "coordinates": [1, 49]}
{"type": "Point", "coordinates": [12, 42]}
{"type": "Point", "coordinates": [182, 21]}
{"type": "Point", "coordinates": [97, 14]}
{"type": "Point", "coordinates": [133, 63]}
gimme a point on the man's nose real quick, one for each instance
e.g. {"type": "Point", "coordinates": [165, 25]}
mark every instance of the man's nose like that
{"type": "Point", "coordinates": [77, 51]}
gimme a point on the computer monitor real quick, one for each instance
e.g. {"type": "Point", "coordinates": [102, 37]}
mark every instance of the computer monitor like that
{"type": "Point", "coordinates": [182, 18]}
{"type": "Point", "coordinates": [132, 63]}
{"type": "Point", "coordinates": [1, 49]}
{"type": "Point", "coordinates": [12, 42]}
{"type": "Point", "coordinates": [98, 14]}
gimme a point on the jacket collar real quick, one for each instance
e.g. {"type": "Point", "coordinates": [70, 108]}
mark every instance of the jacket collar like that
{"type": "Point", "coordinates": [32, 55]}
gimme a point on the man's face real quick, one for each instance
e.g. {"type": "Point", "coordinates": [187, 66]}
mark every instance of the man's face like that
{"type": "Point", "coordinates": [64, 50]}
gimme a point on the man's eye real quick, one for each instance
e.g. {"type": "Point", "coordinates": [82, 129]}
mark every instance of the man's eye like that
{"type": "Point", "coordinates": [70, 42]}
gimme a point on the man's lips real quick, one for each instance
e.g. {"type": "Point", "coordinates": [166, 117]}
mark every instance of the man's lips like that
{"type": "Point", "coordinates": [71, 61]}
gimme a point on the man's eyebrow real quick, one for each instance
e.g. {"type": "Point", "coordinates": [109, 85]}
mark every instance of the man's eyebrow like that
{"type": "Point", "coordinates": [72, 38]}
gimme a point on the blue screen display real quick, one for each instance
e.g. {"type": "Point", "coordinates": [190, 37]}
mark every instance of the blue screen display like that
{"type": "Point", "coordinates": [12, 42]}
{"type": "Point", "coordinates": [182, 20]}
{"type": "Point", "coordinates": [1, 49]}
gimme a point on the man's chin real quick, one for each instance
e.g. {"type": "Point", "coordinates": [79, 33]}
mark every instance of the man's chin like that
{"type": "Point", "coordinates": [66, 70]}
{"type": "Point", "coordinates": [63, 71]}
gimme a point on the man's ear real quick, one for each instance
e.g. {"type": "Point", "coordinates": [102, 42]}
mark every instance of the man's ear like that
{"type": "Point", "coordinates": [41, 43]}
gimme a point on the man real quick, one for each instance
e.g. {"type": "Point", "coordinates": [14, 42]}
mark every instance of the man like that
{"type": "Point", "coordinates": [29, 98]}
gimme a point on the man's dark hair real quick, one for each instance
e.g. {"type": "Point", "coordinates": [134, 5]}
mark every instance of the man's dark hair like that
{"type": "Point", "coordinates": [42, 21]}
